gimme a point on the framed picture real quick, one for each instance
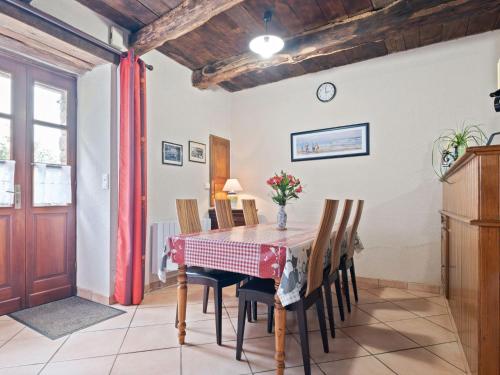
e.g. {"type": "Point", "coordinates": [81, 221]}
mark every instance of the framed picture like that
{"type": "Point", "coordinates": [197, 152]}
{"type": "Point", "coordinates": [337, 142]}
{"type": "Point", "coordinates": [171, 153]}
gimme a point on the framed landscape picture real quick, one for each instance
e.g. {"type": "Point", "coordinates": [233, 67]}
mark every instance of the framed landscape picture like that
{"type": "Point", "coordinates": [171, 153]}
{"type": "Point", "coordinates": [337, 142]}
{"type": "Point", "coordinates": [197, 152]}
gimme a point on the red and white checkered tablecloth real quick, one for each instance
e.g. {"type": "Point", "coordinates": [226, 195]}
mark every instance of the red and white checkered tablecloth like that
{"type": "Point", "coordinates": [257, 250]}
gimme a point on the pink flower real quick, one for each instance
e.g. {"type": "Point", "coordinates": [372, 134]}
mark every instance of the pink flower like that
{"type": "Point", "coordinates": [299, 189]}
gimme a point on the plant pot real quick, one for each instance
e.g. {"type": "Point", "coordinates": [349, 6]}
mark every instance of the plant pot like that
{"type": "Point", "coordinates": [281, 219]}
{"type": "Point", "coordinates": [461, 150]}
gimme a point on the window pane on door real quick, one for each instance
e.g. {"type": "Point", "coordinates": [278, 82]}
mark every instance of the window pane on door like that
{"type": "Point", "coordinates": [5, 93]}
{"type": "Point", "coordinates": [50, 104]}
{"type": "Point", "coordinates": [50, 145]}
{"type": "Point", "coordinates": [4, 138]}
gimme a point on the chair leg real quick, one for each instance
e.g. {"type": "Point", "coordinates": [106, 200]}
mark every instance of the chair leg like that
{"type": "Point", "coordinates": [249, 312]}
{"type": "Point", "coordinates": [270, 318]}
{"type": "Point", "coordinates": [238, 289]}
{"type": "Point", "coordinates": [177, 316]}
{"type": "Point", "coordinates": [320, 308]}
{"type": "Point", "coordinates": [206, 292]}
{"type": "Point", "coordinates": [242, 310]}
{"type": "Point", "coordinates": [304, 339]}
{"type": "Point", "coordinates": [340, 302]}
{"type": "Point", "coordinates": [329, 304]}
{"type": "Point", "coordinates": [254, 311]}
{"type": "Point", "coordinates": [218, 314]}
{"type": "Point", "coordinates": [353, 281]}
{"type": "Point", "coordinates": [345, 284]}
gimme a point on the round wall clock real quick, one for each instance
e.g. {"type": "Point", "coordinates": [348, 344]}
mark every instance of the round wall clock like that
{"type": "Point", "coordinates": [326, 92]}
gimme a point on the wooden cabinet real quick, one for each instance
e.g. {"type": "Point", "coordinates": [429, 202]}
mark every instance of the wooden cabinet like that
{"type": "Point", "coordinates": [239, 219]}
{"type": "Point", "coordinates": [470, 234]}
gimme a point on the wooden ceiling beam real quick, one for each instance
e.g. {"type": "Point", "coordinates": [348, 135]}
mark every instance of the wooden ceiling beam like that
{"type": "Point", "coordinates": [186, 17]}
{"type": "Point", "coordinates": [388, 22]}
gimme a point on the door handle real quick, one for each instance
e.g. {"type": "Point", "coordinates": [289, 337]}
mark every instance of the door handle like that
{"type": "Point", "coordinates": [17, 196]}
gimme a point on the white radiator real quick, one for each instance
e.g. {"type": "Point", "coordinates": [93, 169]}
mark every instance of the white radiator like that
{"type": "Point", "coordinates": [159, 235]}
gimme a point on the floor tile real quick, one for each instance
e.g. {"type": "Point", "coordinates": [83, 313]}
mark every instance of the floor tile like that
{"type": "Point", "coordinates": [254, 329]}
{"type": "Point", "coordinates": [355, 366]}
{"type": "Point", "coordinates": [157, 299]}
{"type": "Point", "coordinates": [22, 370]}
{"type": "Point", "coordinates": [379, 338]}
{"type": "Point", "coordinates": [150, 338]}
{"type": "Point", "coordinates": [194, 293]}
{"type": "Point", "coordinates": [91, 344]}
{"type": "Point", "coordinates": [387, 311]}
{"type": "Point", "coordinates": [155, 362]}
{"type": "Point", "coordinates": [9, 328]}
{"type": "Point", "coordinates": [312, 321]}
{"type": "Point", "coordinates": [423, 331]}
{"type": "Point", "coordinates": [154, 316]}
{"type": "Point", "coordinates": [422, 294]}
{"type": "Point", "coordinates": [357, 317]}
{"type": "Point", "coordinates": [364, 297]}
{"type": "Point", "coordinates": [422, 307]}
{"type": "Point", "coordinates": [213, 359]}
{"type": "Point", "coordinates": [260, 353]}
{"type": "Point", "coordinates": [120, 321]}
{"type": "Point", "coordinates": [94, 366]}
{"type": "Point", "coordinates": [439, 300]}
{"type": "Point", "coordinates": [340, 347]}
{"type": "Point", "coordinates": [203, 332]}
{"type": "Point", "coordinates": [450, 352]}
{"type": "Point", "coordinates": [295, 371]}
{"type": "Point", "coordinates": [28, 351]}
{"type": "Point", "coordinates": [392, 294]}
{"type": "Point", "coordinates": [417, 362]}
{"type": "Point", "coordinates": [442, 320]}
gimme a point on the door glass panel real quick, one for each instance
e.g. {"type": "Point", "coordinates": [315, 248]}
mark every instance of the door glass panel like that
{"type": "Point", "coordinates": [4, 138]}
{"type": "Point", "coordinates": [50, 145]}
{"type": "Point", "coordinates": [50, 104]}
{"type": "Point", "coordinates": [5, 93]}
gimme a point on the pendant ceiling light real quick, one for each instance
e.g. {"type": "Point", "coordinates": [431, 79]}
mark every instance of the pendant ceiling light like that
{"type": "Point", "coordinates": [267, 45]}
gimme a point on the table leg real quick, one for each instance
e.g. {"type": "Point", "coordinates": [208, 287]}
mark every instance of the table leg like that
{"type": "Point", "coordinates": [181, 302]}
{"type": "Point", "coordinates": [279, 331]}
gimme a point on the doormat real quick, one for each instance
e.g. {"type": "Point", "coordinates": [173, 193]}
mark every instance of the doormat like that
{"type": "Point", "coordinates": [60, 318]}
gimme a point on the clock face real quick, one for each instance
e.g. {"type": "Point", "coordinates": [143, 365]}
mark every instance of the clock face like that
{"type": "Point", "coordinates": [326, 92]}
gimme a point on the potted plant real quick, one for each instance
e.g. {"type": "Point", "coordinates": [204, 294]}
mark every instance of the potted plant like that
{"type": "Point", "coordinates": [285, 188]}
{"type": "Point", "coordinates": [451, 145]}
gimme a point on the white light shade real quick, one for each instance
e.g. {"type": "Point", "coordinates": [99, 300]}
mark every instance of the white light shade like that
{"type": "Point", "coordinates": [266, 45]}
{"type": "Point", "coordinates": [232, 185]}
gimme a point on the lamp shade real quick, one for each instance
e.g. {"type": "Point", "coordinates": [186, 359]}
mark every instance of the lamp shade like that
{"type": "Point", "coordinates": [232, 185]}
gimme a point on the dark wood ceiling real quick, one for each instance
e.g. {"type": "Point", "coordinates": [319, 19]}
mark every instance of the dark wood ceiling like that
{"type": "Point", "coordinates": [227, 34]}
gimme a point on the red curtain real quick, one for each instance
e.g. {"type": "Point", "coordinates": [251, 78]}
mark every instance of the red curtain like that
{"type": "Point", "coordinates": [131, 241]}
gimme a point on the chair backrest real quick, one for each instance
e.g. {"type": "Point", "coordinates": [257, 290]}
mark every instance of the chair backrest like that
{"type": "Point", "coordinates": [338, 236]}
{"type": "Point", "coordinates": [188, 216]}
{"type": "Point", "coordinates": [224, 213]}
{"type": "Point", "coordinates": [319, 246]}
{"type": "Point", "coordinates": [250, 212]}
{"type": "Point", "coordinates": [351, 235]}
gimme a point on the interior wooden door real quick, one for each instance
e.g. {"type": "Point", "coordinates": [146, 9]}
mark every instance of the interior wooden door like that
{"type": "Point", "coordinates": [219, 166]}
{"type": "Point", "coordinates": [12, 216]}
{"type": "Point", "coordinates": [50, 226]}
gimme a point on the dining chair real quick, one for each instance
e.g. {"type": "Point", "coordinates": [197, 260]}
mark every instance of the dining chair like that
{"type": "Point", "coordinates": [331, 272]}
{"type": "Point", "coordinates": [250, 212]}
{"type": "Point", "coordinates": [224, 213]}
{"type": "Point", "coordinates": [189, 222]}
{"type": "Point", "coordinates": [347, 260]}
{"type": "Point", "coordinates": [263, 290]}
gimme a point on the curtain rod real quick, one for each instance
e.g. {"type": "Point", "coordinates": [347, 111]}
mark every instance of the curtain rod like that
{"type": "Point", "coordinates": [148, 67]}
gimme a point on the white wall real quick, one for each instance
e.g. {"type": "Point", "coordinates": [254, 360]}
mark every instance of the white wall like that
{"type": "Point", "coordinates": [178, 113]}
{"type": "Point", "coordinates": [408, 99]}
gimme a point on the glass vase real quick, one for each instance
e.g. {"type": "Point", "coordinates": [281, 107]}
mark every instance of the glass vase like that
{"type": "Point", "coordinates": [282, 218]}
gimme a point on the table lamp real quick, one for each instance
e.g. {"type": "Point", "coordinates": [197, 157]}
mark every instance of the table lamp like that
{"type": "Point", "coordinates": [232, 186]}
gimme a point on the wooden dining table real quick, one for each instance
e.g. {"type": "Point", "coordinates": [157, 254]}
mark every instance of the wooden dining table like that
{"type": "Point", "coordinates": [259, 250]}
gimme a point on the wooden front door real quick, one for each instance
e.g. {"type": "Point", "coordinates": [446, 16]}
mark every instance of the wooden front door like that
{"type": "Point", "coordinates": [219, 167]}
{"type": "Point", "coordinates": [37, 229]}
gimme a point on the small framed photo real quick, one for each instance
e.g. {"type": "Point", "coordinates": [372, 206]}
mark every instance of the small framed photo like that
{"type": "Point", "coordinates": [171, 153]}
{"type": "Point", "coordinates": [197, 152]}
{"type": "Point", "coordinates": [338, 142]}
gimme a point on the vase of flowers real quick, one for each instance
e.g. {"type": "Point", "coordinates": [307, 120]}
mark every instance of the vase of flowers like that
{"type": "Point", "coordinates": [285, 188]}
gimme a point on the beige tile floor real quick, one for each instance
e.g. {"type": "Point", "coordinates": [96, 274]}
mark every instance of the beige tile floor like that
{"type": "Point", "coordinates": [390, 331]}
